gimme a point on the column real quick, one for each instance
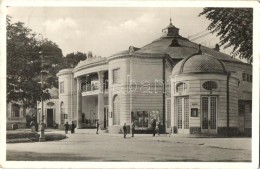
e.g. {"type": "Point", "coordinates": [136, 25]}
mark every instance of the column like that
{"type": "Point", "coordinates": [79, 105]}
{"type": "Point", "coordinates": [101, 99]}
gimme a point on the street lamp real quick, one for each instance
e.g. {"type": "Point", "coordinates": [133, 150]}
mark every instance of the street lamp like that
{"type": "Point", "coordinates": [42, 127]}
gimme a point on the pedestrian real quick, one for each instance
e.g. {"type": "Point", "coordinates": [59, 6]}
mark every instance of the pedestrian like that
{"type": "Point", "coordinates": [133, 128]}
{"type": "Point", "coordinates": [32, 126]}
{"type": "Point", "coordinates": [97, 125]}
{"type": "Point", "coordinates": [154, 127]}
{"type": "Point", "coordinates": [73, 127]}
{"type": "Point", "coordinates": [66, 127]}
{"type": "Point", "coordinates": [159, 128]}
{"type": "Point", "coordinates": [125, 130]}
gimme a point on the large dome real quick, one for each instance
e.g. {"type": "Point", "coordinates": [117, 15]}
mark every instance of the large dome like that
{"type": "Point", "coordinates": [174, 45]}
{"type": "Point", "coordinates": [199, 63]}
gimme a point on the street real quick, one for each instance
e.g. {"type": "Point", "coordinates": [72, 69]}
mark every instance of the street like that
{"type": "Point", "coordinates": [85, 145]}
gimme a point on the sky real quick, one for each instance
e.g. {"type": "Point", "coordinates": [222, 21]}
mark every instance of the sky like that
{"type": "Point", "coordinates": [108, 30]}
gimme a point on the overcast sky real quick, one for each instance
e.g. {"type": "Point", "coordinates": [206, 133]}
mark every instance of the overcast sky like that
{"type": "Point", "coordinates": [106, 30]}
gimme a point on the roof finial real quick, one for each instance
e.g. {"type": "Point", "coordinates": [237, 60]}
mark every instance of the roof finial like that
{"type": "Point", "coordinates": [170, 16]}
{"type": "Point", "coordinates": [199, 51]}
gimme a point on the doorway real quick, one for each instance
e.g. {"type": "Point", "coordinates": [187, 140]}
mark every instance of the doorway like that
{"type": "Point", "coordinates": [183, 118]}
{"type": "Point", "coordinates": [209, 114]}
{"type": "Point", "coordinates": [105, 117]}
{"type": "Point", "coordinates": [50, 118]}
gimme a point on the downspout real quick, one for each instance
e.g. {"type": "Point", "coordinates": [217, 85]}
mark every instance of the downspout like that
{"type": "Point", "coordinates": [164, 129]}
{"type": "Point", "coordinates": [228, 78]}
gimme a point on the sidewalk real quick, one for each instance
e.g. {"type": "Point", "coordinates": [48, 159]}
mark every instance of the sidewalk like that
{"type": "Point", "coordinates": [86, 145]}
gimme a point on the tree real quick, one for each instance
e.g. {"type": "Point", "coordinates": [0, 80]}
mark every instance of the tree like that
{"type": "Point", "coordinates": [24, 64]}
{"type": "Point", "coordinates": [72, 59]}
{"type": "Point", "coordinates": [235, 28]}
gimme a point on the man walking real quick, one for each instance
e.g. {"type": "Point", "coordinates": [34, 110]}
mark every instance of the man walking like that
{"type": "Point", "coordinates": [73, 127]}
{"type": "Point", "coordinates": [133, 128]}
{"type": "Point", "coordinates": [154, 127]}
{"type": "Point", "coordinates": [97, 125]}
{"type": "Point", "coordinates": [125, 130]}
{"type": "Point", "coordinates": [66, 127]}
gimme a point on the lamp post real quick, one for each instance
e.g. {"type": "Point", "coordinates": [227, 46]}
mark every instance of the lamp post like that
{"type": "Point", "coordinates": [42, 127]}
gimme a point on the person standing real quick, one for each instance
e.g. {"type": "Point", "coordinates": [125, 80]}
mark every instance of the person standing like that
{"type": "Point", "coordinates": [66, 127]}
{"type": "Point", "coordinates": [133, 128]}
{"type": "Point", "coordinates": [32, 126]}
{"type": "Point", "coordinates": [125, 130]}
{"type": "Point", "coordinates": [97, 126]}
{"type": "Point", "coordinates": [154, 127]}
{"type": "Point", "coordinates": [159, 128]}
{"type": "Point", "coordinates": [73, 127]}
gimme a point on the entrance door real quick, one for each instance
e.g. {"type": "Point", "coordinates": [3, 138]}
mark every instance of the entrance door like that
{"type": "Point", "coordinates": [50, 118]}
{"type": "Point", "coordinates": [183, 114]}
{"type": "Point", "coordinates": [116, 115]}
{"type": "Point", "coordinates": [105, 117]}
{"type": "Point", "coordinates": [209, 114]}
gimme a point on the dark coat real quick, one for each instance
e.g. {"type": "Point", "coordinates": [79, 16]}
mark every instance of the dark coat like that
{"type": "Point", "coordinates": [124, 128]}
{"type": "Point", "coordinates": [73, 126]}
{"type": "Point", "coordinates": [66, 126]}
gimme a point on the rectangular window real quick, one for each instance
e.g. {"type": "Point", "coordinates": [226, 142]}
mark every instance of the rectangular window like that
{"type": "Point", "coordinates": [15, 110]}
{"type": "Point", "coordinates": [244, 76]}
{"type": "Point", "coordinates": [61, 87]}
{"type": "Point", "coordinates": [250, 79]}
{"type": "Point", "coordinates": [194, 112]}
{"type": "Point", "coordinates": [241, 108]}
{"type": "Point", "coordinates": [115, 76]}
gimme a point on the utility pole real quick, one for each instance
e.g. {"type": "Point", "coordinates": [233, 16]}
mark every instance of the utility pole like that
{"type": "Point", "coordinates": [42, 127]}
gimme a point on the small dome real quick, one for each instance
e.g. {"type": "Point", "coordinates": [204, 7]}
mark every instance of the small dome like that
{"type": "Point", "coordinates": [199, 63]}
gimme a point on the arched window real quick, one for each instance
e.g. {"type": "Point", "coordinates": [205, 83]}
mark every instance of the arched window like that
{"type": "Point", "coordinates": [181, 87]}
{"type": "Point", "coordinates": [116, 111]}
{"type": "Point", "coordinates": [210, 85]}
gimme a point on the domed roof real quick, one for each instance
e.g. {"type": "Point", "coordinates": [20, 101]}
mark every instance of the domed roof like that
{"type": "Point", "coordinates": [174, 45]}
{"type": "Point", "coordinates": [199, 63]}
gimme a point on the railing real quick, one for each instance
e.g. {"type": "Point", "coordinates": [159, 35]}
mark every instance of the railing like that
{"type": "Point", "coordinates": [87, 88]}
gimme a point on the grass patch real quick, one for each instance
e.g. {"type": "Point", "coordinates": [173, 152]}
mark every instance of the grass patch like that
{"type": "Point", "coordinates": [25, 136]}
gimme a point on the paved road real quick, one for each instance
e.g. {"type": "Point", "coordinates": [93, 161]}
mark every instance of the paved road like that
{"type": "Point", "coordinates": [85, 145]}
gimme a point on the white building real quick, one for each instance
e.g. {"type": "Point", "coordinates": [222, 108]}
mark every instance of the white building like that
{"type": "Point", "coordinates": [167, 80]}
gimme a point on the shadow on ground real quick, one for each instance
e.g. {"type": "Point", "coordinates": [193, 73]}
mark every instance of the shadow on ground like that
{"type": "Point", "coordinates": [24, 156]}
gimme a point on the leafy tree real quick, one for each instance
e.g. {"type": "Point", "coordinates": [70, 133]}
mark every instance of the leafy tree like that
{"type": "Point", "coordinates": [72, 59]}
{"type": "Point", "coordinates": [235, 28]}
{"type": "Point", "coordinates": [25, 55]}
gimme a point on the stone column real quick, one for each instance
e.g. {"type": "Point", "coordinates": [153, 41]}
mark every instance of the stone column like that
{"type": "Point", "coordinates": [101, 99]}
{"type": "Point", "coordinates": [79, 105]}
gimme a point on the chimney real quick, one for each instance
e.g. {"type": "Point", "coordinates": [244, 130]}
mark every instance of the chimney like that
{"type": "Point", "coordinates": [216, 47]}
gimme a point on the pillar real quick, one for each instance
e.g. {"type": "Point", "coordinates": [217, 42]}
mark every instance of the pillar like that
{"type": "Point", "coordinates": [101, 99]}
{"type": "Point", "coordinates": [79, 105]}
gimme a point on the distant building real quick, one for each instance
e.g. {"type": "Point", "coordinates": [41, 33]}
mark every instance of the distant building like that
{"type": "Point", "coordinates": [15, 116]}
{"type": "Point", "coordinates": [51, 110]}
{"type": "Point", "coordinates": [171, 79]}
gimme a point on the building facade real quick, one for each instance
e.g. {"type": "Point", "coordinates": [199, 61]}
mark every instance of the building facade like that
{"type": "Point", "coordinates": [51, 110]}
{"type": "Point", "coordinates": [186, 87]}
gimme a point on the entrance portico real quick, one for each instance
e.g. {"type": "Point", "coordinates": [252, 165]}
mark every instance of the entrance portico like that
{"type": "Point", "coordinates": [91, 99]}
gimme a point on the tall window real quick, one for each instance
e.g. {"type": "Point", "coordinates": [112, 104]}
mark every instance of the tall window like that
{"type": "Point", "coordinates": [115, 75]}
{"type": "Point", "coordinates": [247, 77]}
{"type": "Point", "coordinates": [61, 87]}
{"type": "Point", "coordinates": [15, 110]}
{"type": "Point", "coordinates": [181, 87]}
